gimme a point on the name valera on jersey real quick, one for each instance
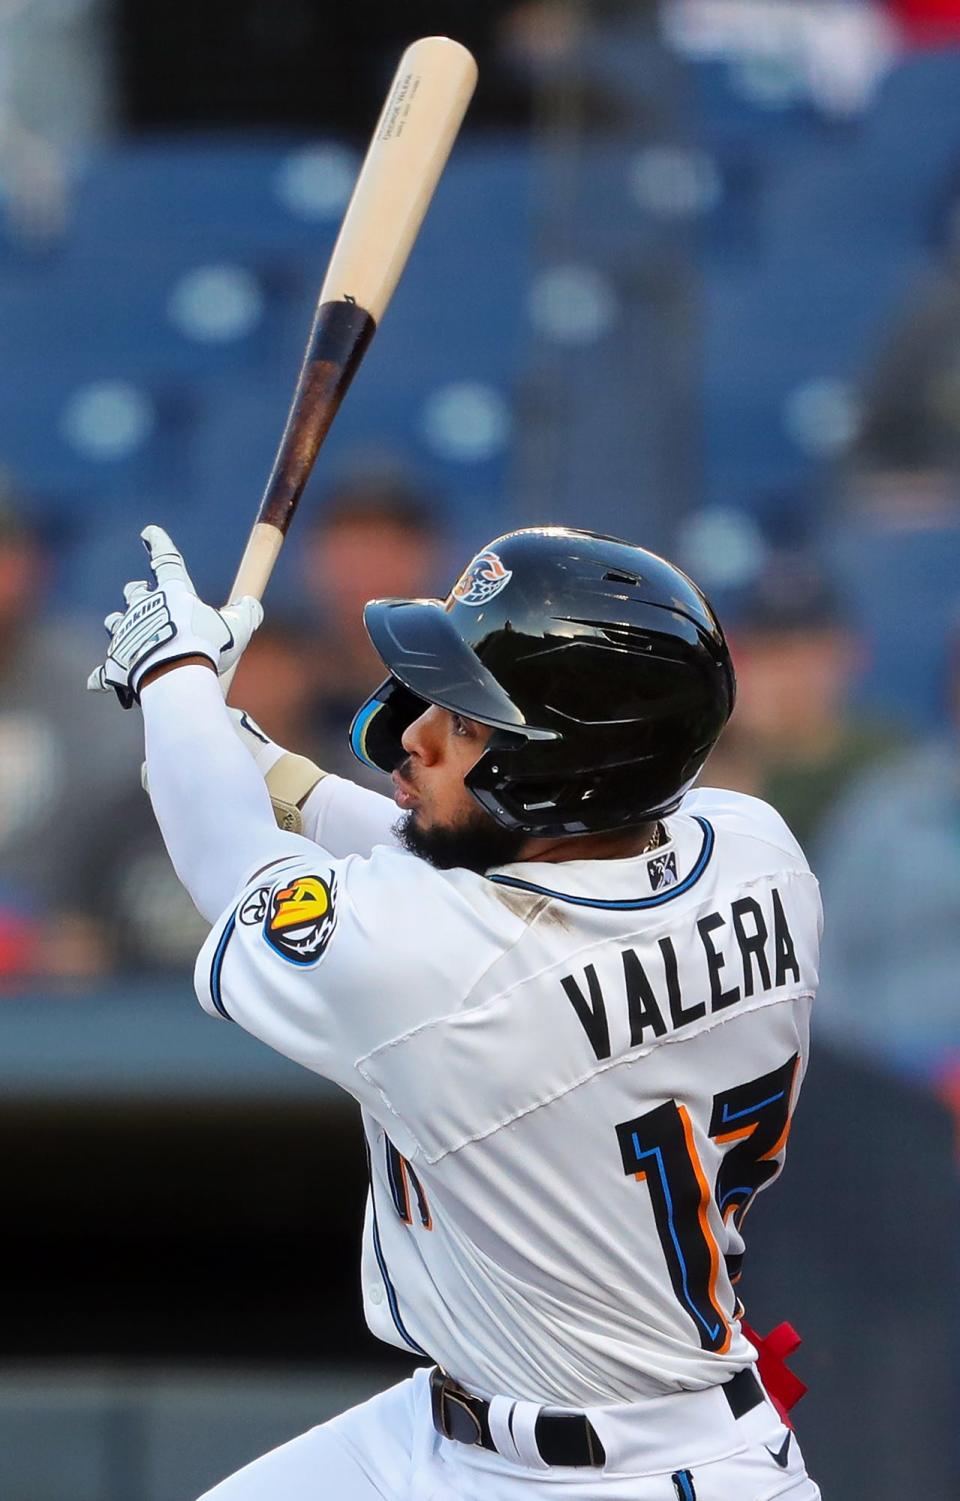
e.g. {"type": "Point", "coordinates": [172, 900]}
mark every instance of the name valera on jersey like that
{"type": "Point", "coordinates": [739, 953]}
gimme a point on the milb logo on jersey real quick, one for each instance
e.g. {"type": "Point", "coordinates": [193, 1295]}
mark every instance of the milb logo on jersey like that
{"type": "Point", "coordinates": [300, 918]}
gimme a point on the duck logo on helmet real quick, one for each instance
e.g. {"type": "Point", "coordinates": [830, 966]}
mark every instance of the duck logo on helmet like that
{"type": "Point", "coordinates": [482, 580]}
{"type": "Point", "coordinates": [300, 918]}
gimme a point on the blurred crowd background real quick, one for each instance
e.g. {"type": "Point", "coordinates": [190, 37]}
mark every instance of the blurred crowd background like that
{"type": "Point", "coordinates": [692, 277]}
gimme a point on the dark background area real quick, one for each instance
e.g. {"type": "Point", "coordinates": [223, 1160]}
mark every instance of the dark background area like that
{"type": "Point", "coordinates": [190, 1231]}
{"type": "Point", "coordinates": [211, 1234]}
{"type": "Point", "coordinates": [243, 63]}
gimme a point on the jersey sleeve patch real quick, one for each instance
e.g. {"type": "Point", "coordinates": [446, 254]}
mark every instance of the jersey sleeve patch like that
{"type": "Point", "coordinates": [298, 916]}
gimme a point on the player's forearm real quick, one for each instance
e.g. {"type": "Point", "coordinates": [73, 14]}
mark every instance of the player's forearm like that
{"type": "Point", "coordinates": [345, 818]}
{"type": "Point", "coordinates": [210, 801]}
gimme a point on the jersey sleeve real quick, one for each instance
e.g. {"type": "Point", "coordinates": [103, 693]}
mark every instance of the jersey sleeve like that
{"type": "Point", "coordinates": [348, 819]}
{"type": "Point", "coordinates": [328, 960]}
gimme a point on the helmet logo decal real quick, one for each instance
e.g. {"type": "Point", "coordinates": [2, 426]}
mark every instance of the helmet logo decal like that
{"type": "Point", "coordinates": [481, 580]}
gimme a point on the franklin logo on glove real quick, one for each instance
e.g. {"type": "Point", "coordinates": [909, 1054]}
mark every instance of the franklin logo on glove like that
{"type": "Point", "coordinates": [165, 622]}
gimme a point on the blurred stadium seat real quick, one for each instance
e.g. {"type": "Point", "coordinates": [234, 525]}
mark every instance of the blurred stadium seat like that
{"type": "Point", "coordinates": [154, 355]}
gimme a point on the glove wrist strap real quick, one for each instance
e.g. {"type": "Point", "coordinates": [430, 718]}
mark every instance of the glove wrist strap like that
{"type": "Point", "coordinates": [290, 782]}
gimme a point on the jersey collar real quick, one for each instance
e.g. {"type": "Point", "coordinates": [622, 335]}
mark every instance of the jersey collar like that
{"type": "Point", "coordinates": [584, 872]}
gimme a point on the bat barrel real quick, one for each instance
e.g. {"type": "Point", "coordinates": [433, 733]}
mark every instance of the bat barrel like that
{"type": "Point", "coordinates": [416, 130]}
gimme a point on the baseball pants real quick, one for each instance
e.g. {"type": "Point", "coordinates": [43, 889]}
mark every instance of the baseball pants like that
{"type": "Point", "coordinates": [689, 1447]}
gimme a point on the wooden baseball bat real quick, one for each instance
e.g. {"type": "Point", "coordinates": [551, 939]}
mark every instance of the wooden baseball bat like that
{"type": "Point", "coordinates": [424, 108]}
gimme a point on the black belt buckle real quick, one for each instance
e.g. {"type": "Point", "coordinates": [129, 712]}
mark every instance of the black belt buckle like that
{"type": "Point", "coordinates": [452, 1414]}
{"type": "Point", "coordinates": [561, 1438]}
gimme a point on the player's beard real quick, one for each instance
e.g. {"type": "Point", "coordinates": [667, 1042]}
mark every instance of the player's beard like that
{"type": "Point", "coordinates": [477, 843]}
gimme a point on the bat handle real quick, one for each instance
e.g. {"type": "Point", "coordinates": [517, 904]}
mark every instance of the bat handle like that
{"type": "Point", "coordinates": [253, 575]}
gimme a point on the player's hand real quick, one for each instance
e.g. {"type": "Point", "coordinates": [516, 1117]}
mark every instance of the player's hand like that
{"type": "Point", "coordinates": [165, 621]}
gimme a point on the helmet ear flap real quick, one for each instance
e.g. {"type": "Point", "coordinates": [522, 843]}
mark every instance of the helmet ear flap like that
{"type": "Point", "coordinates": [378, 725]}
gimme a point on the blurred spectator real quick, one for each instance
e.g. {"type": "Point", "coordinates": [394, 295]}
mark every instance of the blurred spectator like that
{"type": "Point", "coordinates": [904, 498]}
{"type": "Point", "coordinates": [907, 454]}
{"type": "Point", "coordinates": [890, 871]}
{"type": "Point", "coordinates": [898, 547]}
{"type": "Point", "coordinates": [792, 739]}
{"type": "Point", "coordinates": [377, 537]}
{"type": "Point", "coordinates": [927, 22]}
{"type": "Point", "coordinates": [56, 96]}
{"type": "Point", "coordinates": [911, 401]}
{"type": "Point", "coordinates": [277, 681]}
{"type": "Point", "coordinates": [153, 924]}
{"type": "Point", "coordinates": [58, 67]}
{"type": "Point", "coordinates": [833, 53]}
{"type": "Point", "coordinates": [67, 759]}
{"type": "Point", "coordinates": [597, 67]}
{"type": "Point", "coordinates": [539, 35]}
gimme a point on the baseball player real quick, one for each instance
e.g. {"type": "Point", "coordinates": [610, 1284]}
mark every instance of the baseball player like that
{"type": "Point", "coordinates": [570, 994]}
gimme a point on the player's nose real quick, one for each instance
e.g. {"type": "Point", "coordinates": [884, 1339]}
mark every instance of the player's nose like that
{"type": "Point", "coordinates": [421, 738]}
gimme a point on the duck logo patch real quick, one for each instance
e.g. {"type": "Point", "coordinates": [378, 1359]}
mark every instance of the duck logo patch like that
{"type": "Point", "coordinates": [482, 580]}
{"type": "Point", "coordinates": [300, 918]}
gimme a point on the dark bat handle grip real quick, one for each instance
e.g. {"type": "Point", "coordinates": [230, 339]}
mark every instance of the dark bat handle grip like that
{"type": "Point", "coordinates": [338, 341]}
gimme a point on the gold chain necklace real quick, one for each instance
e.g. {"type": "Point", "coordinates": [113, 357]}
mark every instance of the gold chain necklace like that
{"type": "Point", "coordinates": [655, 840]}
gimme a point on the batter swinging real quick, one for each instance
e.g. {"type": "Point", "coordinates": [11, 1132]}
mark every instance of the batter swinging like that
{"type": "Point", "coordinates": [570, 994]}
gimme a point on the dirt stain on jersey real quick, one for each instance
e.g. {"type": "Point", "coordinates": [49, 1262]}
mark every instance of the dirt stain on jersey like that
{"type": "Point", "coordinates": [529, 906]}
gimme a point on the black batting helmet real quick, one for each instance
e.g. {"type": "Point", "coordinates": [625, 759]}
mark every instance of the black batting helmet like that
{"type": "Point", "coordinates": [600, 666]}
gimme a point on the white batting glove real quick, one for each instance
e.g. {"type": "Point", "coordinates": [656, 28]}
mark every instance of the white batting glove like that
{"type": "Point", "coordinates": [166, 621]}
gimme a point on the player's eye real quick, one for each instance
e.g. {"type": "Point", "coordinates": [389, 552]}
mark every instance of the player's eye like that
{"type": "Point", "coordinates": [460, 726]}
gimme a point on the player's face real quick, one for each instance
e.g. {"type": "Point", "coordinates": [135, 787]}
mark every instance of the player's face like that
{"type": "Point", "coordinates": [442, 822]}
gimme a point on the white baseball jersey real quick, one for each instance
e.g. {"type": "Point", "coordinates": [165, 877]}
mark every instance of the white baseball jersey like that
{"type": "Point", "coordinates": [575, 1077]}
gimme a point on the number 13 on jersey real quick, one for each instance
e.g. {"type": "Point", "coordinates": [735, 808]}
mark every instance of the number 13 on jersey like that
{"type": "Point", "coordinates": [660, 1149]}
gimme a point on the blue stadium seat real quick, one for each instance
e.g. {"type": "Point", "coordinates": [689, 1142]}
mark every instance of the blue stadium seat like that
{"type": "Point", "coordinates": [75, 440]}
{"type": "Point", "coordinates": [814, 235]}
{"type": "Point", "coordinates": [124, 312]}
{"type": "Point", "coordinates": [215, 196]}
{"type": "Point", "coordinates": [726, 110]}
{"type": "Point", "coordinates": [137, 323]}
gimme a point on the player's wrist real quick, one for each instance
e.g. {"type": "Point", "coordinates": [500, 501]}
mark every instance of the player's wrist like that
{"type": "Point", "coordinates": [192, 659]}
{"type": "Point", "coordinates": [265, 752]}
